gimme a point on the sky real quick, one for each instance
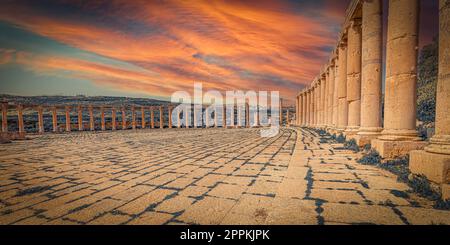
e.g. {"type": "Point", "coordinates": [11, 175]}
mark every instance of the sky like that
{"type": "Point", "coordinates": [151, 49]}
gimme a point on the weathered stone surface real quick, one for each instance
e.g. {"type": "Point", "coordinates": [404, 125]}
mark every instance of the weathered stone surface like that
{"type": "Point", "coordinates": [434, 166]}
{"type": "Point", "coordinates": [390, 149]}
{"type": "Point", "coordinates": [128, 177]}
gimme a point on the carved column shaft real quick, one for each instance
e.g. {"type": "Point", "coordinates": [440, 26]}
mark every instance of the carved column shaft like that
{"type": "Point", "coordinates": [354, 77]}
{"type": "Point", "coordinates": [142, 116]}
{"type": "Point", "coordinates": [372, 40]}
{"type": "Point", "coordinates": [152, 117]}
{"type": "Point", "coordinates": [124, 119]}
{"type": "Point", "coordinates": [41, 120]}
{"type": "Point", "coordinates": [102, 114]}
{"type": "Point", "coordinates": [330, 96]}
{"type": "Point", "coordinates": [80, 118]}
{"type": "Point", "coordinates": [323, 86]}
{"type": "Point", "coordinates": [401, 70]}
{"type": "Point", "coordinates": [113, 118]}
{"type": "Point", "coordinates": [161, 117]}
{"type": "Point", "coordinates": [68, 123]}
{"type": "Point", "coordinates": [133, 117]}
{"type": "Point", "coordinates": [20, 119]}
{"type": "Point", "coordinates": [342, 88]}
{"type": "Point", "coordinates": [54, 119]}
{"type": "Point", "coordinates": [4, 116]}
{"type": "Point", "coordinates": [91, 118]}
{"type": "Point", "coordinates": [336, 94]}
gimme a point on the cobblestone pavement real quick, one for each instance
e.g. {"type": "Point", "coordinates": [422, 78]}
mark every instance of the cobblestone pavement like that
{"type": "Point", "coordinates": [199, 176]}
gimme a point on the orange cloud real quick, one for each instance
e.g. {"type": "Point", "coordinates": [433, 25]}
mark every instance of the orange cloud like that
{"type": "Point", "coordinates": [227, 45]}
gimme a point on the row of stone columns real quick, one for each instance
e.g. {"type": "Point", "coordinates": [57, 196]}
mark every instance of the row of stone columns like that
{"type": "Point", "coordinates": [91, 125]}
{"type": "Point", "coordinates": [352, 80]}
{"type": "Point", "coordinates": [68, 124]}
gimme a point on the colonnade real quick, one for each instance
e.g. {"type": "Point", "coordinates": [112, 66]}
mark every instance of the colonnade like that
{"type": "Point", "coordinates": [150, 117]}
{"type": "Point", "coordinates": [346, 97]}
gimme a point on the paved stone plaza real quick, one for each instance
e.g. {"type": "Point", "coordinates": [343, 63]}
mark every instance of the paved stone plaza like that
{"type": "Point", "coordinates": [199, 176]}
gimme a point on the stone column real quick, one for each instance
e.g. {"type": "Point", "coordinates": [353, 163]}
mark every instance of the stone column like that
{"type": "Point", "coordinates": [302, 109]}
{"type": "Point", "coordinates": [232, 116]}
{"type": "Point", "coordinates": [161, 117]}
{"type": "Point", "coordinates": [306, 109]}
{"type": "Point", "coordinates": [400, 135]}
{"type": "Point", "coordinates": [330, 96]}
{"type": "Point", "coordinates": [143, 117]}
{"type": "Point", "coordinates": [186, 118]}
{"type": "Point", "coordinates": [323, 86]}
{"type": "Point", "coordinates": [170, 109]}
{"type": "Point", "coordinates": [20, 120]}
{"type": "Point", "coordinates": [68, 123]}
{"type": "Point", "coordinates": [216, 118]}
{"type": "Point", "coordinates": [152, 117]}
{"type": "Point", "coordinates": [54, 119]}
{"type": "Point", "coordinates": [133, 117]}
{"type": "Point", "coordinates": [91, 118]}
{"type": "Point", "coordinates": [342, 88]}
{"type": "Point", "coordinates": [113, 118]}
{"type": "Point", "coordinates": [299, 115]}
{"type": "Point", "coordinates": [297, 104]}
{"type": "Point", "coordinates": [320, 91]}
{"type": "Point", "coordinates": [316, 104]}
{"type": "Point", "coordinates": [310, 107]}
{"type": "Point", "coordinates": [80, 118]}
{"type": "Point", "coordinates": [280, 116]}
{"type": "Point", "coordinates": [247, 115]}
{"type": "Point", "coordinates": [354, 78]}
{"type": "Point", "coordinates": [224, 116]}
{"type": "Point", "coordinates": [207, 117]}
{"type": "Point", "coordinates": [4, 117]}
{"type": "Point", "coordinates": [239, 108]}
{"type": "Point", "coordinates": [287, 117]}
{"type": "Point", "coordinates": [434, 161]}
{"type": "Point", "coordinates": [326, 95]}
{"type": "Point", "coordinates": [102, 114]}
{"type": "Point", "coordinates": [336, 95]}
{"type": "Point", "coordinates": [41, 120]}
{"type": "Point", "coordinates": [124, 119]}
{"type": "Point", "coordinates": [372, 40]}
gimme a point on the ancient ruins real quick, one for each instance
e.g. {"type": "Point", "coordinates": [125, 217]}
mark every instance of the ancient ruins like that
{"type": "Point", "coordinates": [346, 96]}
{"type": "Point", "coordinates": [157, 171]}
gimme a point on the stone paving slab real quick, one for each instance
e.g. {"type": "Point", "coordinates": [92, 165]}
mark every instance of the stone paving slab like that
{"type": "Point", "coordinates": [198, 176]}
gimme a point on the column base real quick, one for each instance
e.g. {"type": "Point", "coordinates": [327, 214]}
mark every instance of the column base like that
{"type": "Point", "coordinates": [389, 149]}
{"type": "Point", "coordinates": [367, 134]}
{"type": "Point", "coordinates": [434, 166]}
{"type": "Point", "coordinates": [340, 131]}
{"type": "Point", "coordinates": [350, 132]}
{"type": "Point", "coordinates": [365, 139]}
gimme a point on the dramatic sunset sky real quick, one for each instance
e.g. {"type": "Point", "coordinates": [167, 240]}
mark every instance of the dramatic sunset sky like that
{"type": "Point", "coordinates": [153, 48]}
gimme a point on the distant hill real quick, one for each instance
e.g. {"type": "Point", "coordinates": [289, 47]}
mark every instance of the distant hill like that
{"type": "Point", "coordinates": [83, 100]}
